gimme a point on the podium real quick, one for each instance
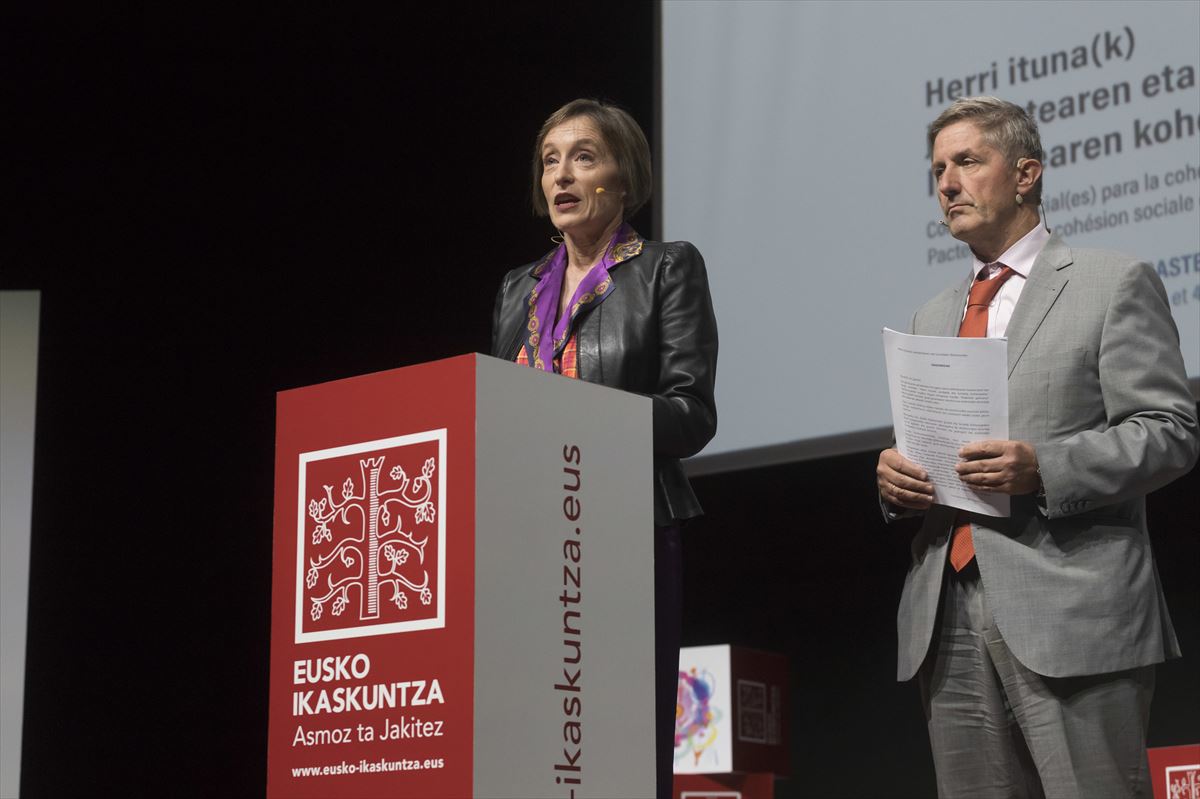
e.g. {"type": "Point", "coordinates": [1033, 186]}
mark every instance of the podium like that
{"type": "Point", "coordinates": [462, 587]}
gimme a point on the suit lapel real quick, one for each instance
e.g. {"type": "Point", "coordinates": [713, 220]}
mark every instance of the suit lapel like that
{"type": "Point", "coordinates": [588, 344]}
{"type": "Point", "coordinates": [1042, 288]}
{"type": "Point", "coordinates": [947, 317]}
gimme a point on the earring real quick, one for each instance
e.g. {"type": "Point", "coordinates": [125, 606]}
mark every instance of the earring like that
{"type": "Point", "coordinates": [557, 239]}
{"type": "Point", "coordinates": [1020, 199]}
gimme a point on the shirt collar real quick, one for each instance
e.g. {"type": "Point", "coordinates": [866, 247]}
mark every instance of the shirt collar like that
{"type": "Point", "coordinates": [1020, 256]}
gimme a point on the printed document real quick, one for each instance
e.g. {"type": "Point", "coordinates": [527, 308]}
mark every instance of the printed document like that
{"type": "Point", "coordinates": [947, 392]}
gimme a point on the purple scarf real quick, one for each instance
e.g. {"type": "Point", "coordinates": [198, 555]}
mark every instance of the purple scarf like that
{"type": "Point", "coordinates": [541, 350]}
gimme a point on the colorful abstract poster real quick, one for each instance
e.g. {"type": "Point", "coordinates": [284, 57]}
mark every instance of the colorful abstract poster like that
{"type": "Point", "coordinates": [703, 717]}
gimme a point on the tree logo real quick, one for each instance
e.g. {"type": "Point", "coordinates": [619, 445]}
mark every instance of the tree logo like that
{"type": "Point", "coordinates": [370, 554]}
{"type": "Point", "coordinates": [1183, 782]}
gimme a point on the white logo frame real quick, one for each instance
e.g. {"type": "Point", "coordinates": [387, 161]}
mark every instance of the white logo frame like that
{"type": "Point", "coordinates": [438, 620]}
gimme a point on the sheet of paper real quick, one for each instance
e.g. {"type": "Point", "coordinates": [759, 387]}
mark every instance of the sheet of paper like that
{"type": "Point", "coordinates": [947, 392]}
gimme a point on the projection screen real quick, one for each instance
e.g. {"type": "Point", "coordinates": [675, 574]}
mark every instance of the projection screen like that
{"type": "Point", "coordinates": [793, 155]}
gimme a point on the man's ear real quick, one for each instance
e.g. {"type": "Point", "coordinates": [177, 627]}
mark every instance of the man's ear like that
{"type": "Point", "coordinates": [1029, 170]}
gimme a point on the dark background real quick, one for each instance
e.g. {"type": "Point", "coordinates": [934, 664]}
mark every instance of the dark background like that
{"type": "Point", "coordinates": [218, 205]}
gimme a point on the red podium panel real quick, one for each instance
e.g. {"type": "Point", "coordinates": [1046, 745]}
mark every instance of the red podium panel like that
{"type": "Point", "coordinates": [436, 631]}
{"type": "Point", "coordinates": [367, 678]}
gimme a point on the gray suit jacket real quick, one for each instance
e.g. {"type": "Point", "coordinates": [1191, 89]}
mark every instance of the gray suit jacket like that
{"type": "Point", "coordinates": [1096, 383]}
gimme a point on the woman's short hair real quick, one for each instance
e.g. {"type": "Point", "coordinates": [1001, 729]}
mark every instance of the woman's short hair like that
{"type": "Point", "coordinates": [1004, 125]}
{"type": "Point", "coordinates": [625, 142]}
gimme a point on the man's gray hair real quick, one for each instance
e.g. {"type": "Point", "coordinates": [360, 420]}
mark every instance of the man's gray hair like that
{"type": "Point", "coordinates": [1004, 125]}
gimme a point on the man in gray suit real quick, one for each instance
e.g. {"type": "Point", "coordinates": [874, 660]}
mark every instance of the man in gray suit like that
{"type": "Point", "coordinates": [1034, 637]}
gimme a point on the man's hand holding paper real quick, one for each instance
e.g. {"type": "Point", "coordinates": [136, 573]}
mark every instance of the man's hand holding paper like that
{"type": "Point", "coordinates": [1005, 467]}
{"type": "Point", "coordinates": [903, 483]}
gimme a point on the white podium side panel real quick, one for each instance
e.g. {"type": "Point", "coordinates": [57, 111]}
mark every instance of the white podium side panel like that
{"type": "Point", "coordinates": [564, 594]}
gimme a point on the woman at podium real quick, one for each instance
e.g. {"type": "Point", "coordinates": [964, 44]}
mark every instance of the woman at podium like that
{"type": "Point", "coordinates": [611, 307]}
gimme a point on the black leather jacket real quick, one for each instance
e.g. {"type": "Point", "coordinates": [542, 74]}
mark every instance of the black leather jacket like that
{"type": "Point", "coordinates": [655, 334]}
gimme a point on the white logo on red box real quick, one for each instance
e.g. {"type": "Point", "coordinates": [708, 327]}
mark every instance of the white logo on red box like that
{"type": "Point", "coordinates": [1183, 782]}
{"type": "Point", "coordinates": [371, 530]}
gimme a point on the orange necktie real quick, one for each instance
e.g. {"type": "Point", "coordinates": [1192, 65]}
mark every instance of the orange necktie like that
{"type": "Point", "coordinates": [974, 325]}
